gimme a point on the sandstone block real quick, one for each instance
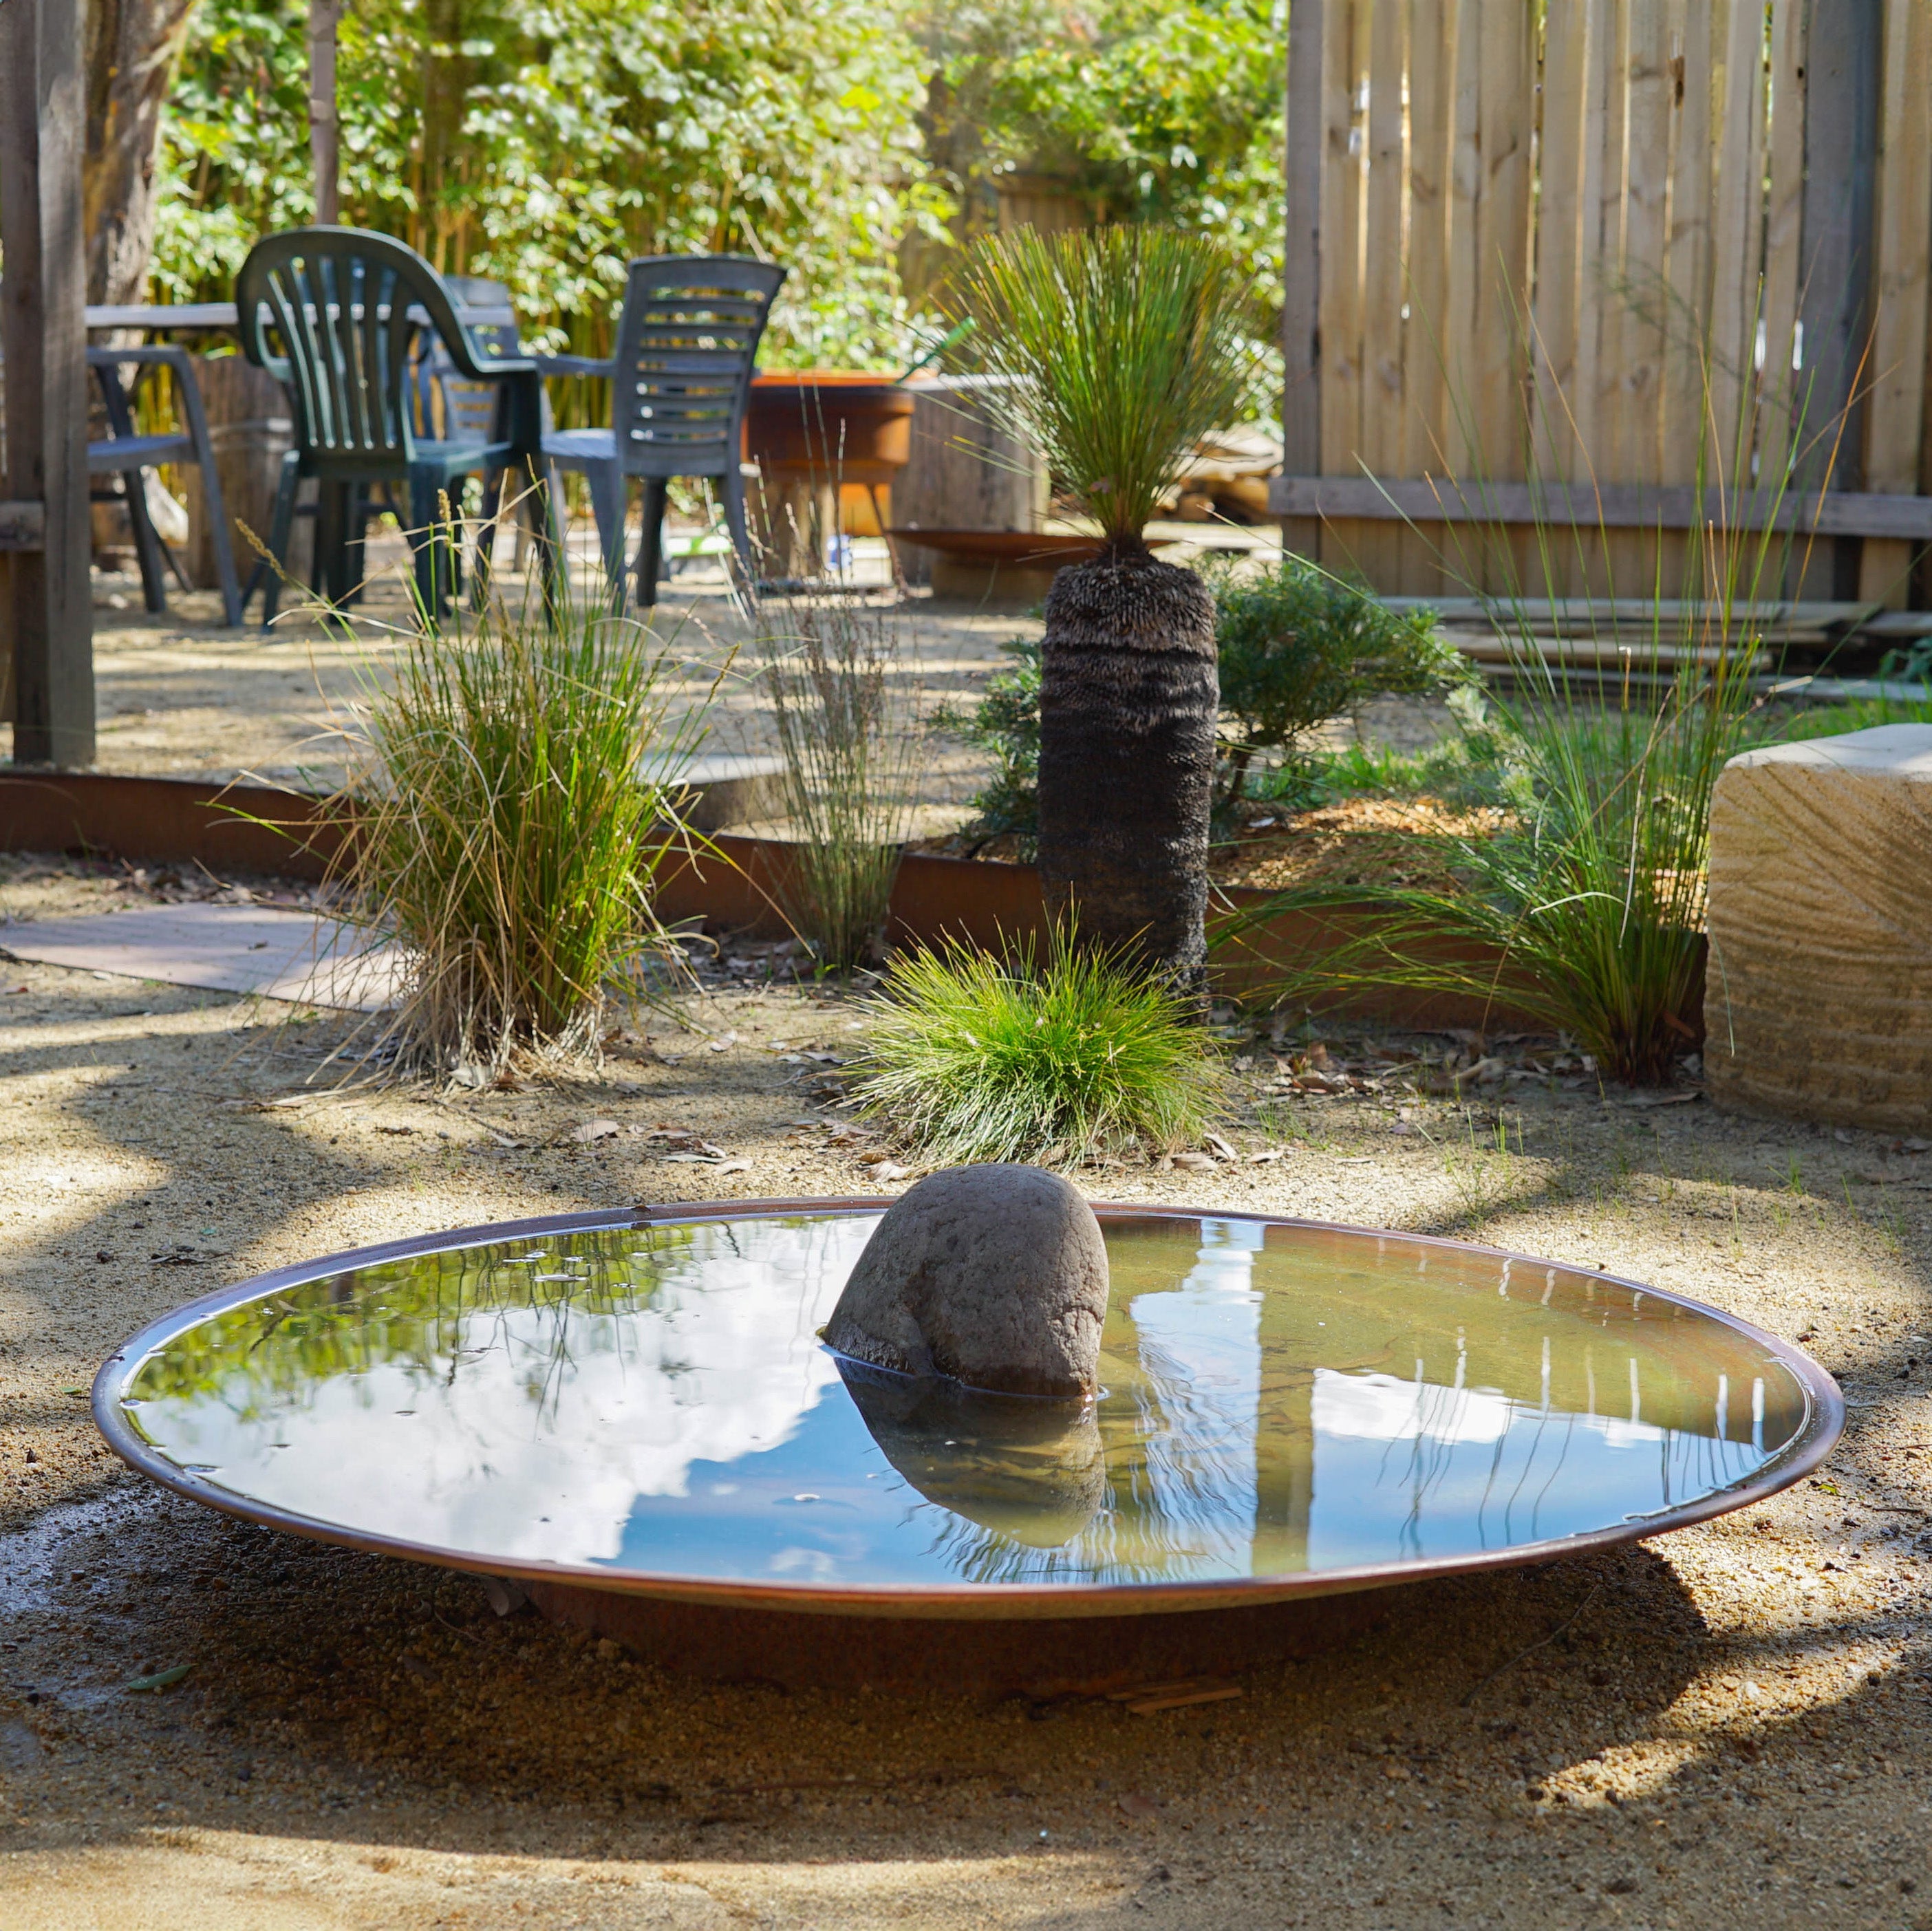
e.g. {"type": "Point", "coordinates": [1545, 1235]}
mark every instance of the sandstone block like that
{"type": "Point", "coordinates": [1818, 1002]}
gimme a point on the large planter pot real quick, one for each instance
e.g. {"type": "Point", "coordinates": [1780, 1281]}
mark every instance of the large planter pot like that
{"type": "Point", "coordinates": [839, 424]}
{"type": "Point", "coordinates": [812, 431]}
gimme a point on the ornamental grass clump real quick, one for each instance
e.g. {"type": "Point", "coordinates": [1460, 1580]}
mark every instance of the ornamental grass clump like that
{"type": "Point", "coordinates": [973, 1056]}
{"type": "Point", "coordinates": [514, 797]}
{"type": "Point", "coordinates": [1584, 911]}
{"type": "Point", "coordinates": [847, 736]}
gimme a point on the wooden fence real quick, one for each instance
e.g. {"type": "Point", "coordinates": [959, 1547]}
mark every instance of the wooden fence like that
{"type": "Point", "coordinates": [1646, 264]}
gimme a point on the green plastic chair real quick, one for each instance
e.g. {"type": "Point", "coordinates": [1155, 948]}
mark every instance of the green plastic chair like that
{"type": "Point", "coordinates": [332, 314]}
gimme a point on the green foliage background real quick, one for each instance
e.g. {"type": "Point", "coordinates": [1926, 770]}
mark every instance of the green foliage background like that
{"type": "Point", "coordinates": [544, 143]}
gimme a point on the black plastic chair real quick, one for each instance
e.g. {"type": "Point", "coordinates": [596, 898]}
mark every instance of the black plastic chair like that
{"type": "Point", "coordinates": [124, 453]}
{"type": "Point", "coordinates": [332, 314]}
{"type": "Point", "coordinates": [449, 403]}
{"type": "Point", "coordinates": [687, 350]}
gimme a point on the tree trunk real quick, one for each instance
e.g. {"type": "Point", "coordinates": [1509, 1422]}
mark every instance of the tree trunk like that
{"type": "Point", "coordinates": [131, 48]}
{"type": "Point", "coordinates": [445, 101]}
{"type": "Point", "coordinates": [325, 136]}
{"type": "Point", "coordinates": [1129, 695]}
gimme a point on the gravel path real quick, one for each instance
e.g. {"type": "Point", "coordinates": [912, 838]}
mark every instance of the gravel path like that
{"type": "Point", "coordinates": [1734, 1720]}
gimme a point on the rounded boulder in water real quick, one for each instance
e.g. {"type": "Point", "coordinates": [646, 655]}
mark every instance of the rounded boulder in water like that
{"type": "Point", "coordinates": [993, 1276]}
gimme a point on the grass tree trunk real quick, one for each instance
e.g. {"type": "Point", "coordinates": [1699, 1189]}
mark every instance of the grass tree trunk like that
{"type": "Point", "coordinates": [1128, 698]}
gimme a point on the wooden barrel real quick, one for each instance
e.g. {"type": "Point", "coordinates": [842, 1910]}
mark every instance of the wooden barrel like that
{"type": "Point", "coordinates": [965, 470]}
{"type": "Point", "coordinates": [251, 428]}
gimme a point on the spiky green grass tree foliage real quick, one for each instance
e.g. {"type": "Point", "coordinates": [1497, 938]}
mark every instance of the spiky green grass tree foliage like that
{"type": "Point", "coordinates": [976, 1056]}
{"type": "Point", "coordinates": [513, 798]}
{"type": "Point", "coordinates": [1123, 347]}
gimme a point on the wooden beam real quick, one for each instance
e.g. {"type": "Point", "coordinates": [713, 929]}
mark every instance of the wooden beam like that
{"type": "Point", "coordinates": [48, 601]}
{"type": "Point", "coordinates": [1611, 505]}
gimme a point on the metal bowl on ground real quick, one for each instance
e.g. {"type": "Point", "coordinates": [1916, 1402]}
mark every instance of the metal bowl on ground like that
{"type": "Point", "coordinates": [632, 1416]}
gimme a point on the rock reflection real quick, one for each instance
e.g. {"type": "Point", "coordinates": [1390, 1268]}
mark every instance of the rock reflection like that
{"type": "Point", "coordinates": [1030, 1469]}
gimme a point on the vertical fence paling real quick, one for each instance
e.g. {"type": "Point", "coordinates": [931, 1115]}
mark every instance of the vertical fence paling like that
{"type": "Point", "coordinates": [1903, 238]}
{"type": "Point", "coordinates": [1577, 250]}
{"type": "Point", "coordinates": [1435, 31]}
{"type": "Point", "coordinates": [1344, 79]}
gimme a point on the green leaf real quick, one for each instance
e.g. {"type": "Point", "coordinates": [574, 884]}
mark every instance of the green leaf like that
{"type": "Point", "coordinates": [162, 1679]}
{"type": "Point", "coordinates": [1122, 346]}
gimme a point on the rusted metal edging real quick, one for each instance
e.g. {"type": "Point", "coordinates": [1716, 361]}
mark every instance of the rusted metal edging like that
{"type": "Point", "coordinates": [728, 883]}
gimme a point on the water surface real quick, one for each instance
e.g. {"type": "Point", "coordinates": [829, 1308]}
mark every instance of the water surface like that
{"type": "Point", "coordinates": [656, 1400]}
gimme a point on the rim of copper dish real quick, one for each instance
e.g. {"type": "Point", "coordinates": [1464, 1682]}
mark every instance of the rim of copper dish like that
{"type": "Point", "coordinates": [1816, 1434]}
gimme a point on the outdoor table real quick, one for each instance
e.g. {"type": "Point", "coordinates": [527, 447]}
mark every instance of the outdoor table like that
{"type": "Point", "coordinates": [182, 318]}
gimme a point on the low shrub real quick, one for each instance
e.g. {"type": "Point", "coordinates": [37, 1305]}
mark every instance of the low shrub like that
{"type": "Point", "coordinates": [513, 797]}
{"type": "Point", "coordinates": [1298, 646]}
{"type": "Point", "coordinates": [1005, 724]}
{"type": "Point", "coordinates": [976, 1056]}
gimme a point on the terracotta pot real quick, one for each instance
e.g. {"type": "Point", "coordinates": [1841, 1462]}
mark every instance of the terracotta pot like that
{"type": "Point", "coordinates": [819, 424]}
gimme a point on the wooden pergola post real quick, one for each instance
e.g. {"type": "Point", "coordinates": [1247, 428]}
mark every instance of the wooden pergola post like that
{"type": "Point", "coordinates": [47, 609]}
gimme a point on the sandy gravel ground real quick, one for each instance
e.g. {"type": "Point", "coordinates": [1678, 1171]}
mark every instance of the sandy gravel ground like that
{"type": "Point", "coordinates": [179, 696]}
{"type": "Point", "coordinates": [1731, 1724]}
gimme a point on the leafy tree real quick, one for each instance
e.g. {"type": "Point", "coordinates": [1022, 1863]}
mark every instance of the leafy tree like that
{"type": "Point", "coordinates": [1141, 110]}
{"type": "Point", "coordinates": [129, 51]}
{"type": "Point", "coordinates": [544, 143]}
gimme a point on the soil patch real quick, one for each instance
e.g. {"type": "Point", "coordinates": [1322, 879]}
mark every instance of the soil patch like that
{"type": "Point", "coordinates": [1415, 841]}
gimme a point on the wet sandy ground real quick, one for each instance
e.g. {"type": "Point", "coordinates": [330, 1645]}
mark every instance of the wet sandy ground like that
{"type": "Point", "coordinates": [1734, 1722]}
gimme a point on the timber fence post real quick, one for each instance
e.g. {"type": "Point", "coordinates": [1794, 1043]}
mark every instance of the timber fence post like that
{"type": "Point", "coordinates": [45, 596]}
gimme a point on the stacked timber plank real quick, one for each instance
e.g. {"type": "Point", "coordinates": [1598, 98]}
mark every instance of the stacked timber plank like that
{"type": "Point", "coordinates": [1614, 635]}
{"type": "Point", "coordinates": [1819, 1000]}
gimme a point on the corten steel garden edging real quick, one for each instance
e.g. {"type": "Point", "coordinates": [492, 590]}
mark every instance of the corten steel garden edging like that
{"type": "Point", "coordinates": [254, 828]}
{"type": "Point", "coordinates": [731, 883]}
{"type": "Point", "coordinates": [1817, 1435]}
